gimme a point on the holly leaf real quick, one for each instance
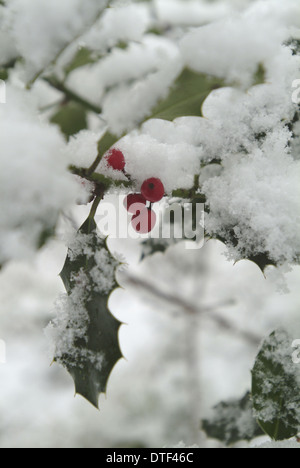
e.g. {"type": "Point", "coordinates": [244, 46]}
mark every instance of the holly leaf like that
{"type": "Point", "coordinates": [83, 56]}
{"type": "Point", "coordinates": [260, 75]}
{"type": "Point", "coordinates": [275, 387]}
{"type": "Point", "coordinates": [106, 142]}
{"type": "Point", "coordinates": [89, 345]}
{"type": "Point", "coordinates": [185, 98]}
{"type": "Point", "coordinates": [232, 421]}
{"type": "Point", "coordinates": [262, 260]}
{"type": "Point", "coordinates": [3, 74]}
{"type": "Point", "coordinates": [46, 234]}
{"type": "Point", "coordinates": [71, 118]}
{"type": "Point", "coordinates": [6, 67]}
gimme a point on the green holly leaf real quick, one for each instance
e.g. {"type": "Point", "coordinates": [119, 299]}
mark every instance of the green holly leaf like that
{"type": "Point", "coordinates": [262, 260]}
{"type": "Point", "coordinates": [185, 98]}
{"type": "Point", "coordinates": [106, 142]}
{"type": "Point", "coordinates": [232, 421]}
{"type": "Point", "coordinates": [275, 387]}
{"type": "Point", "coordinates": [88, 345]}
{"type": "Point", "coordinates": [3, 74]}
{"type": "Point", "coordinates": [260, 75]}
{"type": "Point", "coordinates": [83, 56]}
{"type": "Point", "coordinates": [71, 118]}
{"type": "Point", "coordinates": [46, 235]}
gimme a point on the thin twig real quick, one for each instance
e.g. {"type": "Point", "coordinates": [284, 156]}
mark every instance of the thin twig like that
{"type": "Point", "coordinates": [95, 164]}
{"type": "Point", "coordinates": [191, 309]}
{"type": "Point", "coordinates": [99, 179]}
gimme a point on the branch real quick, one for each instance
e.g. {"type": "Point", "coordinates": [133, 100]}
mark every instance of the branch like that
{"type": "Point", "coordinates": [252, 338]}
{"type": "Point", "coordinates": [95, 164]}
{"type": "Point", "coordinates": [99, 179]}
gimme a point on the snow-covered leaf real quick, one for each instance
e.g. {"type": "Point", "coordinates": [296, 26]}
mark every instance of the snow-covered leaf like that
{"type": "Point", "coordinates": [82, 57]}
{"type": "Point", "coordinates": [34, 181]}
{"type": "Point", "coordinates": [262, 260]}
{"type": "Point", "coordinates": [185, 98]}
{"type": "Point", "coordinates": [71, 119]}
{"type": "Point", "coordinates": [232, 421]}
{"type": "Point", "coordinates": [88, 344]}
{"type": "Point", "coordinates": [275, 387]}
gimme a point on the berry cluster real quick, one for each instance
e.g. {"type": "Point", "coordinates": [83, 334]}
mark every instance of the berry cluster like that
{"type": "Point", "coordinates": [152, 190]}
{"type": "Point", "coordinates": [144, 218]}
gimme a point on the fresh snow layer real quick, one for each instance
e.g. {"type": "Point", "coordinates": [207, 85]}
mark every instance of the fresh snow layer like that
{"type": "Point", "coordinates": [287, 444]}
{"type": "Point", "coordinates": [253, 195]}
{"type": "Point", "coordinates": [41, 29]}
{"type": "Point", "coordinates": [34, 182]}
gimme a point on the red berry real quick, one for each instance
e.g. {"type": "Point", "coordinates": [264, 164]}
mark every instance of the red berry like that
{"type": "Point", "coordinates": [153, 190]}
{"type": "Point", "coordinates": [144, 221]}
{"type": "Point", "coordinates": [132, 200]}
{"type": "Point", "coordinates": [115, 159]}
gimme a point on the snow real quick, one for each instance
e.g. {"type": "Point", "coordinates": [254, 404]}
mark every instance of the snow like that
{"type": "Point", "coordinates": [254, 192]}
{"type": "Point", "coordinates": [120, 23]}
{"type": "Point", "coordinates": [276, 353]}
{"type": "Point", "coordinates": [255, 195]}
{"type": "Point", "coordinates": [287, 444]}
{"type": "Point", "coordinates": [72, 318]}
{"type": "Point", "coordinates": [190, 12]}
{"type": "Point", "coordinates": [46, 27]}
{"type": "Point", "coordinates": [128, 83]}
{"type": "Point", "coordinates": [103, 273]}
{"type": "Point", "coordinates": [37, 404]}
{"type": "Point", "coordinates": [250, 38]}
{"type": "Point", "coordinates": [156, 151]}
{"type": "Point", "coordinates": [8, 50]}
{"type": "Point", "coordinates": [70, 325]}
{"type": "Point", "coordinates": [183, 445]}
{"type": "Point", "coordinates": [295, 147]}
{"type": "Point", "coordinates": [82, 149]}
{"type": "Point", "coordinates": [34, 183]}
{"type": "Point", "coordinates": [261, 221]}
